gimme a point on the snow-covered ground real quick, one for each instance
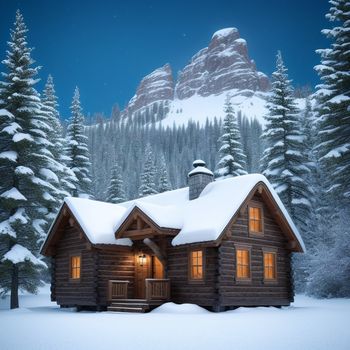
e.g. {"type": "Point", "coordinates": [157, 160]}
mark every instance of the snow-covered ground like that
{"type": "Point", "coordinates": [308, 324]}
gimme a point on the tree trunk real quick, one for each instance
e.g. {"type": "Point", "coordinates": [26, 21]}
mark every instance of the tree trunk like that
{"type": "Point", "coordinates": [14, 287]}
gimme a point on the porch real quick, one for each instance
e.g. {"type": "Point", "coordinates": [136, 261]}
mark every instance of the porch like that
{"type": "Point", "coordinates": [157, 292]}
{"type": "Point", "coordinates": [149, 286]}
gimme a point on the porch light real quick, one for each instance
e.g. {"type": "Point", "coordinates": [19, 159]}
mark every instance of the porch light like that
{"type": "Point", "coordinates": [142, 259]}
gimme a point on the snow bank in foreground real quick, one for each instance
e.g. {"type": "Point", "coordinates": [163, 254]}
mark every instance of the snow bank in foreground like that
{"type": "Point", "coordinates": [172, 308]}
{"type": "Point", "coordinates": [308, 324]}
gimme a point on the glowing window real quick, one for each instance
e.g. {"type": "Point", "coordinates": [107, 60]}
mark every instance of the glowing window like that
{"type": "Point", "coordinates": [269, 266]}
{"type": "Point", "coordinates": [75, 267]}
{"type": "Point", "coordinates": [196, 262]}
{"type": "Point", "coordinates": [243, 263]}
{"type": "Point", "coordinates": [255, 220]}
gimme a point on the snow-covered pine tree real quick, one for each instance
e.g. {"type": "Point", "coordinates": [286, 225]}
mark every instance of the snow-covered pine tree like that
{"type": "Point", "coordinates": [77, 149]}
{"type": "Point", "coordinates": [308, 150]}
{"type": "Point", "coordinates": [319, 224]}
{"type": "Point", "coordinates": [47, 131]}
{"type": "Point", "coordinates": [47, 170]}
{"type": "Point", "coordinates": [283, 162]}
{"type": "Point", "coordinates": [329, 275]}
{"type": "Point", "coordinates": [163, 183]}
{"type": "Point", "coordinates": [232, 159]}
{"type": "Point", "coordinates": [334, 104]}
{"type": "Point", "coordinates": [23, 193]}
{"type": "Point", "coordinates": [115, 190]}
{"type": "Point", "coordinates": [310, 229]}
{"type": "Point", "coordinates": [65, 176]}
{"type": "Point", "coordinates": [330, 264]}
{"type": "Point", "coordinates": [147, 178]}
{"type": "Point", "coordinates": [256, 145]}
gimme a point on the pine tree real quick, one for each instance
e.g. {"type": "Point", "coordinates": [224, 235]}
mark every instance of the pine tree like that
{"type": "Point", "coordinates": [48, 167]}
{"type": "Point", "coordinates": [255, 144]}
{"type": "Point", "coordinates": [77, 149]}
{"type": "Point", "coordinates": [115, 190]}
{"type": "Point", "coordinates": [329, 263]}
{"type": "Point", "coordinates": [334, 104]}
{"type": "Point", "coordinates": [310, 229]}
{"type": "Point", "coordinates": [329, 271]}
{"type": "Point", "coordinates": [283, 162]}
{"type": "Point", "coordinates": [163, 184]}
{"type": "Point", "coordinates": [65, 177]}
{"type": "Point", "coordinates": [232, 159]}
{"type": "Point", "coordinates": [23, 192]}
{"type": "Point", "coordinates": [147, 178]}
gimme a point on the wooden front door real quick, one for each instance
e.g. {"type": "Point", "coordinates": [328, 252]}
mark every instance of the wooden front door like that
{"type": "Point", "coordinates": [146, 267]}
{"type": "Point", "coordinates": [143, 270]}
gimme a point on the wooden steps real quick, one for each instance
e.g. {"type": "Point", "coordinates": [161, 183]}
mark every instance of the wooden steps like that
{"type": "Point", "coordinates": [126, 308]}
{"type": "Point", "coordinates": [131, 305]}
{"type": "Point", "coordinates": [128, 305]}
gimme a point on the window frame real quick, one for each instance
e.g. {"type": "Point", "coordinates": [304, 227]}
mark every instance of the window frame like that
{"type": "Point", "coordinates": [274, 252]}
{"type": "Point", "coordinates": [258, 205]}
{"type": "Point", "coordinates": [71, 256]}
{"type": "Point", "coordinates": [190, 276]}
{"type": "Point", "coordinates": [249, 249]}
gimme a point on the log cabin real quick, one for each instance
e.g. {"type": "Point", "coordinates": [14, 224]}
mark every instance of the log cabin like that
{"type": "Point", "coordinates": [219, 244]}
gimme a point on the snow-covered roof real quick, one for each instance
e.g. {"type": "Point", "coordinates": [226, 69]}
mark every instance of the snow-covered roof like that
{"type": "Point", "coordinates": [97, 219]}
{"type": "Point", "coordinates": [199, 220]}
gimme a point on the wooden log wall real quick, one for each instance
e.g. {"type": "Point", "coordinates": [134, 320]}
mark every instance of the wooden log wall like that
{"type": "Point", "coordinates": [114, 265]}
{"type": "Point", "coordinates": [70, 292]}
{"type": "Point", "coordinates": [183, 290]}
{"type": "Point", "coordinates": [53, 279]}
{"type": "Point", "coordinates": [257, 292]}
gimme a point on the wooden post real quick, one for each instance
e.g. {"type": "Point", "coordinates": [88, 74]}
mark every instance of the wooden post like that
{"type": "Point", "coordinates": [156, 250]}
{"type": "Point", "coordinates": [109, 290]}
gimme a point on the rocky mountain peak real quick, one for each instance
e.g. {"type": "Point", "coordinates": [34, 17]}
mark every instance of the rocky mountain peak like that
{"type": "Point", "coordinates": [222, 66]}
{"type": "Point", "coordinates": [225, 35]}
{"type": "Point", "coordinates": [154, 87]}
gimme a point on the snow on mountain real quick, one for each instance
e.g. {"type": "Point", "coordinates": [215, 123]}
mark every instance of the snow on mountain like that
{"type": "Point", "coordinates": [224, 32]}
{"type": "Point", "coordinates": [223, 68]}
{"type": "Point", "coordinates": [198, 108]}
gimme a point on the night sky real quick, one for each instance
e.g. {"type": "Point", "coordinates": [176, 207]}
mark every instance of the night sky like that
{"type": "Point", "coordinates": [106, 47]}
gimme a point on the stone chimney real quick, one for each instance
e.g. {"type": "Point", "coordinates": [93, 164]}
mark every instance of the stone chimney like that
{"type": "Point", "coordinates": [198, 178]}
